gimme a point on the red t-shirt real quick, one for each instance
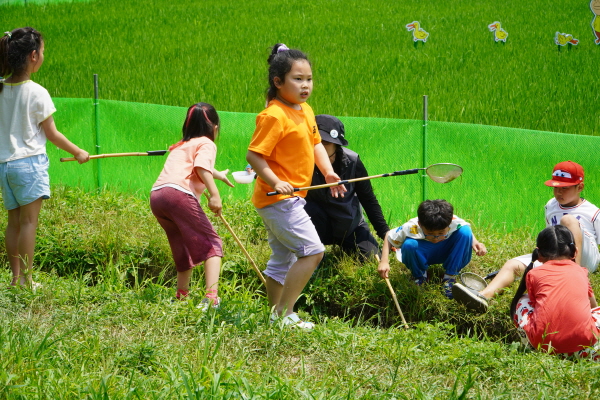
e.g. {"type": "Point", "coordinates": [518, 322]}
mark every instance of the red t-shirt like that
{"type": "Point", "coordinates": [560, 291]}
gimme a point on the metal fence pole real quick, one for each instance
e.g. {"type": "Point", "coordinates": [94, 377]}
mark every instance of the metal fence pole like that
{"type": "Point", "coordinates": [424, 177]}
{"type": "Point", "coordinates": [97, 127]}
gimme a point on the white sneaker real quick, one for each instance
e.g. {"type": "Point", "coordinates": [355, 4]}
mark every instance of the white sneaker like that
{"type": "Point", "coordinates": [206, 303]}
{"type": "Point", "coordinates": [293, 321]}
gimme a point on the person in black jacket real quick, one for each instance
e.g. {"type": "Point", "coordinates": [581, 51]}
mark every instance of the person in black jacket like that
{"type": "Point", "coordinates": [340, 220]}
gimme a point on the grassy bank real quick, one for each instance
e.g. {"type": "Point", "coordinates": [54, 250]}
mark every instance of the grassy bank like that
{"type": "Point", "coordinates": [103, 324]}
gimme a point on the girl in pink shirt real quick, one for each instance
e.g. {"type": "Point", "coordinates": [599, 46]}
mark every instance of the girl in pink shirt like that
{"type": "Point", "coordinates": [559, 313]}
{"type": "Point", "coordinates": [174, 200]}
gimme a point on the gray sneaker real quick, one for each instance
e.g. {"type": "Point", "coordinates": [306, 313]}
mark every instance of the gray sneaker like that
{"type": "Point", "coordinates": [469, 298]}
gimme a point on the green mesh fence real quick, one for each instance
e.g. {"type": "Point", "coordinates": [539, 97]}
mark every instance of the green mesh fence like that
{"type": "Point", "coordinates": [502, 185]}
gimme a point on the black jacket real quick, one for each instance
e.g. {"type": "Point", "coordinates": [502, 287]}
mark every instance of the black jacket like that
{"type": "Point", "coordinates": [345, 213]}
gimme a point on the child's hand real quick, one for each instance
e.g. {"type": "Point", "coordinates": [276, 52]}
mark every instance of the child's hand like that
{"type": "Point", "coordinates": [383, 269]}
{"type": "Point", "coordinates": [283, 187]}
{"type": "Point", "coordinates": [222, 176]}
{"type": "Point", "coordinates": [479, 248]}
{"type": "Point", "coordinates": [336, 191]}
{"type": "Point", "coordinates": [82, 157]}
{"type": "Point", "coordinates": [215, 205]}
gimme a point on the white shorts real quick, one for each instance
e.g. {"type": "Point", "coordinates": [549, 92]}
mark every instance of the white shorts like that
{"type": "Point", "coordinates": [590, 256]}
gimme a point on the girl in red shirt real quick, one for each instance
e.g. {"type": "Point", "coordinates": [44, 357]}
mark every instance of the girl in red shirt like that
{"type": "Point", "coordinates": [559, 313]}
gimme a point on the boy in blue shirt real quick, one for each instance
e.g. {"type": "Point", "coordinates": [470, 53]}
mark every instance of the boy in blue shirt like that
{"type": "Point", "coordinates": [436, 236]}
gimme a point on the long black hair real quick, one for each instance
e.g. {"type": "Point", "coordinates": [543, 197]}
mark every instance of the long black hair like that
{"type": "Point", "coordinates": [15, 46]}
{"type": "Point", "coordinates": [200, 121]}
{"type": "Point", "coordinates": [280, 63]}
{"type": "Point", "coordinates": [553, 243]}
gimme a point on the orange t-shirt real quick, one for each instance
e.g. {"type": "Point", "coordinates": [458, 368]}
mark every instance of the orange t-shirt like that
{"type": "Point", "coordinates": [286, 138]}
{"type": "Point", "coordinates": [179, 167]}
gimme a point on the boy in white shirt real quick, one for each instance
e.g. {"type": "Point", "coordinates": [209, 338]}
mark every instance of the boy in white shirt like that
{"type": "Point", "coordinates": [567, 208]}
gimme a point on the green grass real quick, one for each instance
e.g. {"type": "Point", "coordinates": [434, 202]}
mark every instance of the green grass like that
{"type": "Point", "coordinates": [364, 61]}
{"type": "Point", "coordinates": [103, 325]}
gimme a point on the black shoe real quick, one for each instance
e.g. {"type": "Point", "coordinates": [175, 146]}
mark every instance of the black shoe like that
{"type": "Point", "coordinates": [469, 298]}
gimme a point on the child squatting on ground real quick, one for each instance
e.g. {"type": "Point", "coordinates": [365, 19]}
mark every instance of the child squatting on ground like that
{"type": "Point", "coordinates": [567, 208]}
{"type": "Point", "coordinates": [26, 123]}
{"type": "Point", "coordinates": [436, 236]}
{"type": "Point", "coordinates": [284, 148]}
{"type": "Point", "coordinates": [559, 313]}
{"type": "Point", "coordinates": [175, 202]}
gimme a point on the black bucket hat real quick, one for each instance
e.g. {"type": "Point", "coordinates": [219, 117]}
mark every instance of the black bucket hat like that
{"type": "Point", "coordinates": [331, 129]}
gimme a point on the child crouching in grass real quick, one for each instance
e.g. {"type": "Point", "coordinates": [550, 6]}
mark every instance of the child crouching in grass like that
{"type": "Point", "coordinates": [559, 313]}
{"type": "Point", "coordinates": [436, 236]}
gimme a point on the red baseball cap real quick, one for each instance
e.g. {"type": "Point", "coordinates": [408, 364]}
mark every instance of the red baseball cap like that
{"type": "Point", "coordinates": [566, 173]}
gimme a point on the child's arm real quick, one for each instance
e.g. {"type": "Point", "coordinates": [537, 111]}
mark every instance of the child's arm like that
{"type": "Point", "coordinates": [60, 141]}
{"type": "Point", "coordinates": [322, 161]}
{"type": "Point", "coordinates": [214, 203]}
{"type": "Point", "coordinates": [384, 264]}
{"type": "Point", "coordinates": [222, 176]}
{"type": "Point", "coordinates": [262, 169]}
{"type": "Point", "coordinates": [479, 247]}
{"type": "Point", "coordinates": [593, 302]}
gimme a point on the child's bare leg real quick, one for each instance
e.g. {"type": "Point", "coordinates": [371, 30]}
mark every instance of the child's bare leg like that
{"type": "Point", "coordinates": [509, 271]}
{"type": "Point", "coordinates": [28, 221]}
{"type": "Point", "coordinates": [11, 241]}
{"type": "Point", "coordinates": [212, 269]}
{"type": "Point", "coordinates": [572, 224]}
{"type": "Point", "coordinates": [274, 290]}
{"type": "Point", "coordinates": [183, 281]}
{"type": "Point", "coordinates": [295, 280]}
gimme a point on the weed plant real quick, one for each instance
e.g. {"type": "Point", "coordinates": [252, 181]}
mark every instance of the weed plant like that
{"type": "Point", "coordinates": [103, 325]}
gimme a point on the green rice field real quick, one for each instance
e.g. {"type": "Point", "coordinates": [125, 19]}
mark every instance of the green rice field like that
{"type": "Point", "coordinates": [364, 61]}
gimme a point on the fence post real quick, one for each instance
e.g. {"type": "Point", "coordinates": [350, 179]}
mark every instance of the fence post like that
{"type": "Point", "coordinates": [424, 177]}
{"type": "Point", "coordinates": [97, 127]}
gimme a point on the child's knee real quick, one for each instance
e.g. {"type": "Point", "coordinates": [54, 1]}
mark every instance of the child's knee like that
{"type": "Point", "coordinates": [409, 246]}
{"type": "Point", "coordinates": [464, 232]}
{"type": "Point", "coordinates": [569, 221]}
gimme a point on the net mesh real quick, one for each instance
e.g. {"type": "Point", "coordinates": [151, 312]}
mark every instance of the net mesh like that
{"type": "Point", "coordinates": [502, 184]}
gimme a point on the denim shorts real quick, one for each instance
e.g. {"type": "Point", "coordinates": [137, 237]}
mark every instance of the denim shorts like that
{"type": "Point", "coordinates": [24, 181]}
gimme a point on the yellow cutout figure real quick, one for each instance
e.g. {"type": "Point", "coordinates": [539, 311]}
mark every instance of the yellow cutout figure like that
{"type": "Point", "coordinates": [562, 39]}
{"type": "Point", "coordinates": [595, 7]}
{"type": "Point", "coordinates": [418, 32]}
{"type": "Point", "coordinates": [500, 35]}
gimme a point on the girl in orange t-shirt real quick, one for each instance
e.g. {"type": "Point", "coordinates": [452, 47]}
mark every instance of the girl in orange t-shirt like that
{"type": "Point", "coordinates": [284, 148]}
{"type": "Point", "coordinates": [174, 200]}
{"type": "Point", "coordinates": [559, 313]}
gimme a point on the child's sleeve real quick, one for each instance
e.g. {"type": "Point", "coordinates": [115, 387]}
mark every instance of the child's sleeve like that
{"type": "Point", "coordinates": [267, 134]}
{"type": "Point", "coordinates": [42, 107]}
{"type": "Point", "coordinates": [205, 156]}
{"type": "Point", "coordinates": [396, 237]}
{"type": "Point", "coordinates": [596, 222]}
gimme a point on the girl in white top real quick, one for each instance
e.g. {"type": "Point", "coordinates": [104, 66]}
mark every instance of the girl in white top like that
{"type": "Point", "coordinates": [25, 123]}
